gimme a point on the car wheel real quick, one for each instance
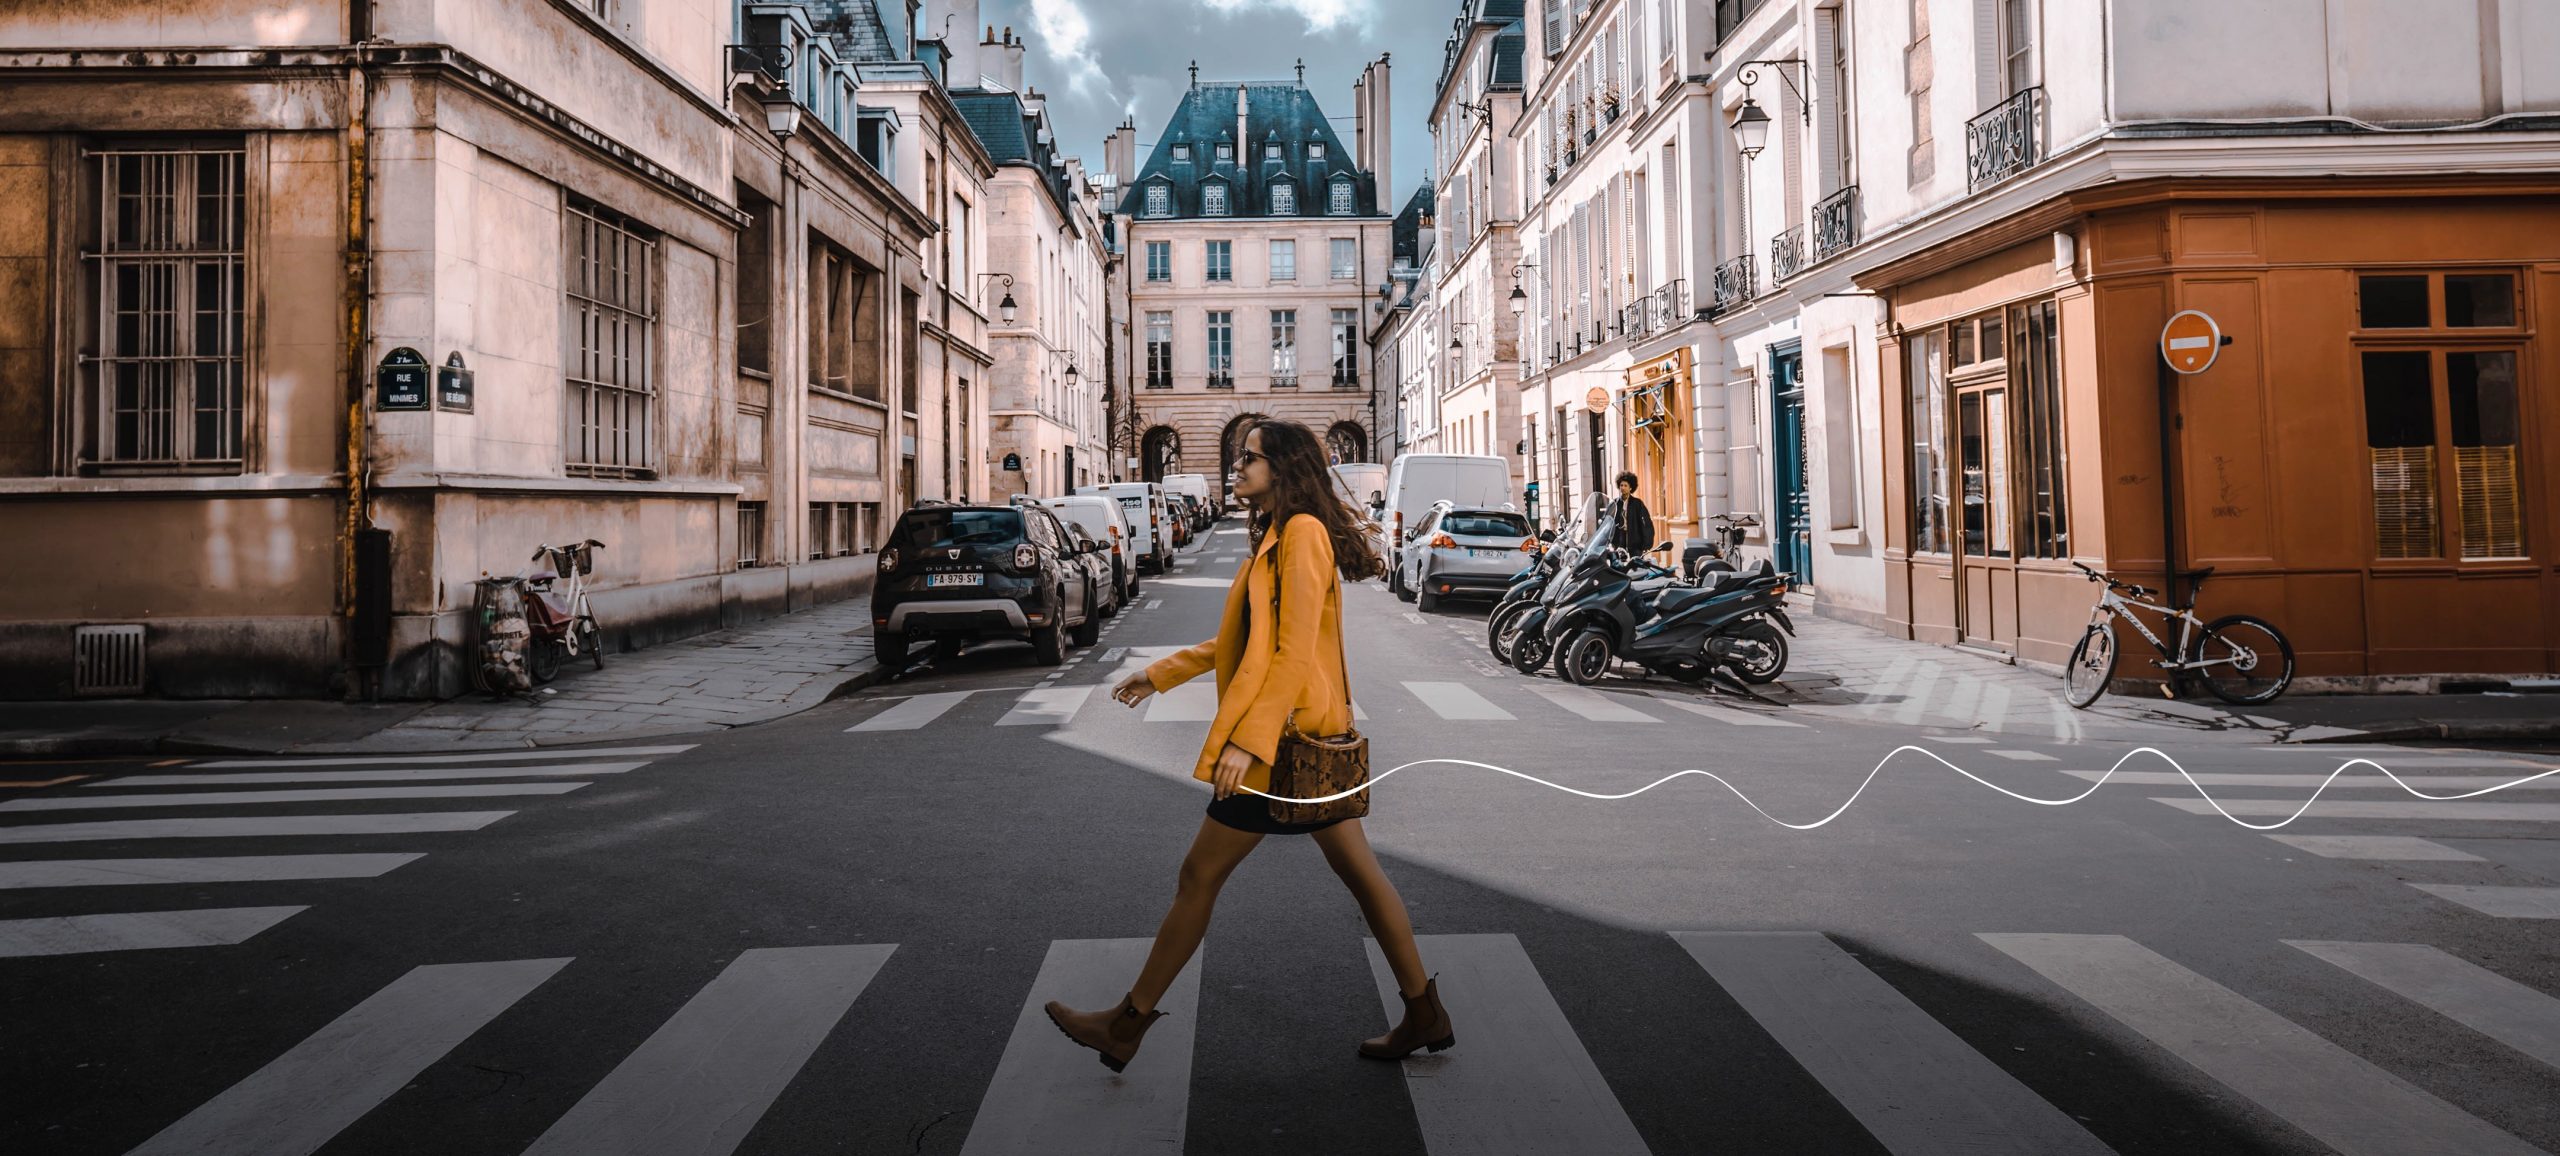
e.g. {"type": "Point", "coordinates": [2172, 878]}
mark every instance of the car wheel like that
{"type": "Point", "coordinates": [1424, 600]}
{"type": "Point", "coordinates": [890, 649]}
{"type": "Point", "coordinates": [1088, 631]}
{"type": "Point", "coordinates": [1049, 646]}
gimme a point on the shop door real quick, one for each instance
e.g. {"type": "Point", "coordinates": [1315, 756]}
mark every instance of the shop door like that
{"type": "Point", "coordinates": [1791, 537]}
{"type": "Point", "coordinates": [1986, 570]}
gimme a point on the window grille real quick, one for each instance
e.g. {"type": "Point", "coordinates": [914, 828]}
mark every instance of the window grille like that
{"type": "Point", "coordinates": [613, 310]}
{"type": "Point", "coordinates": [170, 287]}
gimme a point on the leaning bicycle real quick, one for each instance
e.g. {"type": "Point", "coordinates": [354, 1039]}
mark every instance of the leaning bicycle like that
{"type": "Point", "coordinates": [2244, 660]}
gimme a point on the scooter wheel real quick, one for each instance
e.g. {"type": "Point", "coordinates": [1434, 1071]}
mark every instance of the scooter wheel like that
{"type": "Point", "coordinates": [1774, 658]}
{"type": "Point", "coordinates": [1584, 659]}
{"type": "Point", "coordinates": [1529, 653]}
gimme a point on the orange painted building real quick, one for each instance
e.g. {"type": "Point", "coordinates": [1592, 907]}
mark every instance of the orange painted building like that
{"type": "Point", "coordinates": [2367, 463]}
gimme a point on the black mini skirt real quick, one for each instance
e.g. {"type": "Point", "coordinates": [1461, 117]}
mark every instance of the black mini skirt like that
{"type": "Point", "coordinates": [1250, 812]}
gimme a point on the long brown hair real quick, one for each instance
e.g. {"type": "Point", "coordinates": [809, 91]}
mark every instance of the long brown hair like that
{"type": "Point", "coordinates": [1301, 483]}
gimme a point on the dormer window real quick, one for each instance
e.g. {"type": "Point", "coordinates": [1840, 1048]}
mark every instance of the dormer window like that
{"type": "Point", "coordinates": [1213, 200]}
{"type": "Point", "coordinates": [1182, 152]}
{"type": "Point", "coordinates": [1315, 152]}
{"type": "Point", "coordinates": [1159, 200]}
{"type": "Point", "coordinates": [1284, 199]}
{"type": "Point", "coordinates": [1341, 202]}
{"type": "Point", "coordinates": [1226, 152]}
{"type": "Point", "coordinates": [1271, 151]}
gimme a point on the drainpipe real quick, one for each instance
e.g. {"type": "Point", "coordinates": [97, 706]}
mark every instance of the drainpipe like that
{"type": "Point", "coordinates": [357, 287]}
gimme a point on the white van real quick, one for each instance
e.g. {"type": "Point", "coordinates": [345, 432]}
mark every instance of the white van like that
{"type": "Point", "coordinates": [1358, 480]}
{"type": "Point", "coordinates": [1096, 516]}
{"type": "Point", "coordinates": [1150, 518]}
{"type": "Point", "coordinates": [1416, 481]}
{"type": "Point", "coordinates": [1197, 486]}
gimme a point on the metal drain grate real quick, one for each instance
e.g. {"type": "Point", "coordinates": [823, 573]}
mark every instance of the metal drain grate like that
{"type": "Point", "coordinates": [106, 659]}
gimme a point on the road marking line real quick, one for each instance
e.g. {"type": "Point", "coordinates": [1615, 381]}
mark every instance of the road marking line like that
{"type": "Point", "coordinates": [316, 795]}
{"type": "Point", "coordinates": [2346, 809]}
{"type": "Point", "coordinates": [1909, 1080]}
{"type": "Point", "coordinates": [700, 1083]}
{"type": "Point", "coordinates": [1966, 740]}
{"type": "Point", "coordinates": [2021, 756]}
{"type": "Point", "coordinates": [421, 760]}
{"type": "Point", "coordinates": [1915, 703]}
{"type": "Point", "coordinates": [1051, 1096]}
{"type": "Point", "coordinates": [1591, 704]}
{"type": "Point", "coordinates": [1046, 706]}
{"type": "Point", "coordinates": [229, 779]}
{"type": "Point", "coordinates": [1519, 1079]}
{"type": "Point", "coordinates": [2343, 1101]}
{"type": "Point", "coordinates": [219, 869]}
{"type": "Point", "coordinates": [2242, 779]}
{"type": "Point", "coordinates": [261, 825]}
{"type": "Point", "coordinates": [1194, 701]}
{"type": "Point", "coordinates": [1995, 706]}
{"type": "Point", "coordinates": [1719, 711]}
{"type": "Point", "coordinates": [1152, 603]}
{"type": "Point", "coordinates": [1964, 701]}
{"type": "Point", "coordinates": [1456, 701]}
{"type": "Point", "coordinates": [2389, 847]}
{"type": "Point", "coordinates": [135, 930]}
{"type": "Point", "coordinates": [305, 1097]}
{"type": "Point", "coordinates": [2457, 989]}
{"type": "Point", "coordinates": [913, 713]}
{"type": "Point", "coordinates": [2500, 902]}
{"type": "Point", "coordinates": [1114, 654]}
{"type": "Point", "coordinates": [31, 784]}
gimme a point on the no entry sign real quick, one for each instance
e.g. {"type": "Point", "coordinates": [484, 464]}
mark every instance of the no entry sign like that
{"type": "Point", "coordinates": [2190, 342]}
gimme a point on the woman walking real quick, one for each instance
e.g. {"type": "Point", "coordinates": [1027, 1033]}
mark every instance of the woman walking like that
{"type": "Point", "coordinates": [1270, 666]}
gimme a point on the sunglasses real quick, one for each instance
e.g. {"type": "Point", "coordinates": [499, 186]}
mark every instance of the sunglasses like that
{"type": "Point", "coordinates": [1248, 457]}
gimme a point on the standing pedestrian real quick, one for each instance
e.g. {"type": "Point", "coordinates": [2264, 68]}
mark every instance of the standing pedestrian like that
{"type": "Point", "coordinates": [1635, 523]}
{"type": "Point", "coordinates": [1277, 654]}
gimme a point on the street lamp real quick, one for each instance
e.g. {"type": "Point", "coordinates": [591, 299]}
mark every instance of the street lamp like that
{"type": "Point", "coordinates": [1751, 128]}
{"type": "Point", "coordinates": [781, 112]}
{"type": "Point", "coordinates": [1004, 309]}
{"type": "Point", "coordinates": [1520, 296]}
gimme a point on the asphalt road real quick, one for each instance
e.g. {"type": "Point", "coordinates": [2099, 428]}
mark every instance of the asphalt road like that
{"type": "Point", "coordinates": [833, 933]}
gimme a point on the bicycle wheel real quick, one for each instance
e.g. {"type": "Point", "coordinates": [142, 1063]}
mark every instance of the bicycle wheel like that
{"type": "Point", "coordinates": [2092, 663]}
{"type": "Point", "coordinates": [2247, 660]}
{"type": "Point", "coordinates": [591, 639]}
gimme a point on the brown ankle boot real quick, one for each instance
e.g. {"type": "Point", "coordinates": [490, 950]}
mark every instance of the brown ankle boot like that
{"type": "Point", "coordinates": [1114, 1033]}
{"type": "Point", "coordinates": [1426, 1025]}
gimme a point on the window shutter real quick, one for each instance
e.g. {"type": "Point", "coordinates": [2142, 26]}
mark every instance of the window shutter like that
{"type": "Point", "coordinates": [2404, 501]}
{"type": "Point", "coordinates": [1988, 60]}
{"type": "Point", "coordinates": [1555, 26]}
{"type": "Point", "coordinates": [2492, 520]}
{"type": "Point", "coordinates": [1826, 134]}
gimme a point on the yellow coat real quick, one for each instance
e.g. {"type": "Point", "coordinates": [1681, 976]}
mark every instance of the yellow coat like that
{"type": "Point", "coordinates": [1265, 674]}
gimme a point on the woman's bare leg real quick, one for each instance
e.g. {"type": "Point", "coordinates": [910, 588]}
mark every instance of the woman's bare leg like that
{"type": "Point", "coordinates": [1346, 849]}
{"type": "Point", "coordinates": [1215, 851]}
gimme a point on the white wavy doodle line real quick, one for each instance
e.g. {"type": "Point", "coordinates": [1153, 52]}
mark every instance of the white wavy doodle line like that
{"type": "Point", "coordinates": [1941, 760]}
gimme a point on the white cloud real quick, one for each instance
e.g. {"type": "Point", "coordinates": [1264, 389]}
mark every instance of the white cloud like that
{"type": "Point", "coordinates": [1068, 36]}
{"type": "Point", "coordinates": [1320, 15]}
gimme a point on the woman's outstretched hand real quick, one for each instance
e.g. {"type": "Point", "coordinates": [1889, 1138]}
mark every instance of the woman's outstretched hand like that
{"type": "Point", "coordinates": [1233, 762]}
{"type": "Point", "coordinates": [1134, 689]}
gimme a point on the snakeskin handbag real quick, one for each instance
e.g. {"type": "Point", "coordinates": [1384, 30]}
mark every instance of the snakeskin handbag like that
{"type": "Point", "coordinates": [1313, 766]}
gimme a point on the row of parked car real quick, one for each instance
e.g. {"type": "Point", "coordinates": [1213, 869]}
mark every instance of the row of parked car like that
{"type": "Point", "coordinates": [1047, 571]}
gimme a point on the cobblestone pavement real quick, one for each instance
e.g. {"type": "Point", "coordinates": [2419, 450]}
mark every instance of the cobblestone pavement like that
{"type": "Point", "coordinates": [714, 681]}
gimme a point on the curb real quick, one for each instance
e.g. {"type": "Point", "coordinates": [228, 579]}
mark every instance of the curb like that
{"type": "Point", "coordinates": [2466, 730]}
{"type": "Point", "coordinates": [123, 746]}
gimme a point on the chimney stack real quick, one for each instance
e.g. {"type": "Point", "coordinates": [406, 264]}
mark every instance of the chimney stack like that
{"type": "Point", "coordinates": [1008, 61]}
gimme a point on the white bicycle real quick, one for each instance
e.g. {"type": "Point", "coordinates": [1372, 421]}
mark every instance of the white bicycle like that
{"type": "Point", "coordinates": [2242, 659]}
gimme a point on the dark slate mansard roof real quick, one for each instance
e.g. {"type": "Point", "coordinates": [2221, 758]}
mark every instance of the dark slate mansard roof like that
{"type": "Point", "coordinates": [1408, 226]}
{"type": "Point", "coordinates": [1010, 134]}
{"type": "Point", "coordinates": [1284, 112]}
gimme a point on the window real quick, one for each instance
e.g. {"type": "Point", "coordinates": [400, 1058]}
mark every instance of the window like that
{"type": "Point", "coordinates": [821, 517]}
{"type": "Point", "coordinates": [1284, 260]}
{"type": "Point", "coordinates": [1213, 199]}
{"type": "Point", "coordinates": [1284, 199]}
{"type": "Point", "coordinates": [1159, 260]}
{"type": "Point", "coordinates": [1340, 201]}
{"type": "Point", "coordinates": [1836, 97]}
{"type": "Point", "coordinates": [750, 535]}
{"type": "Point", "coordinates": [2017, 46]}
{"type": "Point", "coordinates": [1271, 151]}
{"type": "Point", "coordinates": [1182, 152]}
{"type": "Point", "coordinates": [1159, 349]}
{"type": "Point", "coordinates": [1925, 386]}
{"type": "Point", "coordinates": [1222, 349]}
{"type": "Point", "coordinates": [611, 282]}
{"type": "Point", "coordinates": [169, 288]}
{"type": "Point", "coordinates": [1220, 256]}
{"type": "Point", "coordinates": [2035, 377]}
{"type": "Point", "coordinates": [843, 327]}
{"type": "Point", "coordinates": [2471, 453]}
{"type": "Point", "coordinates": [1346, 259]}
{"type": "Point", "coordinates": [1346, 347]}
{"type": "Point", "coordinates": [1284, 348]}
{"type": "Point", "coordinates": [1918, 74]}
{"type": "Point", "coordinates": [1159, 201]}
{"type": "Point", "coordinates": [755, 284]}
{"type": "Point", "coordinates": [1226, 151]}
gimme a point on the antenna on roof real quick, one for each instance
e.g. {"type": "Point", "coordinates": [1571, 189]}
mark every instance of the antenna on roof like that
{"type": "Point", "coordinates": [1302, 72]}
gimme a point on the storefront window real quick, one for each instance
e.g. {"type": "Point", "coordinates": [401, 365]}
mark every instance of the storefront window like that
{"type": "Point", "coordinates": [2482, 301]}
{"type": "Point", "coordinates": [1926, 388]}
{"type": "Point", "coordinates": [2035, 375]}
{"type": "Point", "coordinates": [2443, 425]}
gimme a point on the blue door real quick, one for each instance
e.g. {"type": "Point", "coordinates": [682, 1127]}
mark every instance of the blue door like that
{"type": "Point", "coordinates": [1791, 531]}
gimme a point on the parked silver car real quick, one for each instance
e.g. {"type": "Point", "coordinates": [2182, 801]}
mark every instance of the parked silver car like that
{"type": "Point", "coordinates": [1463, 552]}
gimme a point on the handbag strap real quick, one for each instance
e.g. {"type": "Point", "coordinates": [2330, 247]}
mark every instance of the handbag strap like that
{"type": "Point", "coordinates": [1345, 650]}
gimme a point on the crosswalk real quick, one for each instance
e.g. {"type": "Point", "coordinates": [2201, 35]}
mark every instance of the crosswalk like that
{"type": "Point", "coordinates": [1521, 1080]}
{"type": "Point", "coordinates": [1494, 701]}
{"type": "Point", "coordinates": [271, 798]}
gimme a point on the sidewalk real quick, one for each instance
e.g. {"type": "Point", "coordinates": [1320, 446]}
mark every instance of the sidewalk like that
{"type": "Point", "coordinates": [729, 678]}
{"type": "Point", "coordinates": [1852, 672]}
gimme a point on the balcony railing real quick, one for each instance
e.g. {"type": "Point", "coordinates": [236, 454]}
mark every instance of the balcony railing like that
{"type": "Point", "coordinates": [1786, 255]}
{"type": "Point", "coordinates": [1636, 320]}
{"type": "Point", "coordinates": [1835, 223]}
{"type": "Point", "coordinates": [1284, 381]}
{"type": "Point", "coordinates": [1735, 282]}
{"type": "Point", "coordinates": [1668, 306]}
{"type": "Point", "coordinates": [1346, 378]}
{"type": "Point", "coordinates": [2007, 140]}
{"type": "Point", "coordinates": [1222, 381]}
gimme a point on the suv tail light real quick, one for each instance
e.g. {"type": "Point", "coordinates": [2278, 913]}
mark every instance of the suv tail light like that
{"type": "Point", "coordinates": [889, 560]}
{"type": "Point", "coordinates": [1025, 556]}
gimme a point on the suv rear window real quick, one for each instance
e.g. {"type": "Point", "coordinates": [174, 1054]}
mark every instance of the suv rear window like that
{"type": "Point", "coordinates": [1485, 525]}
{"type": "Point", "coordinates": [928, 529]}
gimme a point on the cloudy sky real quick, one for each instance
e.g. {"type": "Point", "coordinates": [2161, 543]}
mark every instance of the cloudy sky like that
{"type": "Point", "coordinates": [1100, 60]}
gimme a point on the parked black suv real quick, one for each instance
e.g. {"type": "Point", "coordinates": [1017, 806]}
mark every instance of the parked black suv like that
{"type": "Point", "coordinates": [954, 573]}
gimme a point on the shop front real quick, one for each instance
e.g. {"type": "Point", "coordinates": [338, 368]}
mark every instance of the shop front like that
{"type": "Point", "coordinates": [1657, 404]}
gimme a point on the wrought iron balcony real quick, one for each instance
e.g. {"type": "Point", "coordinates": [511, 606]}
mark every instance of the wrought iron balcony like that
{"type": "Point", "coordinates": [1221, 381]}
{"type": "Point", "coordinates": [2007, 140]}
{"type": "Point", "coordinates": [1835, 223]}
{"type": "Point", "coordinates": [1346, 378]}
{"type": "Point", "coordinates": [1284, 381]}
{"type": "Point", "coordinates": [1669, 306]}
{"type": "Point", "coordinates": [1636, 320]}
{"type": "Point", "coordinates": [1735, 283]}
{"type": "Point", "coordinates": [1786, 255]}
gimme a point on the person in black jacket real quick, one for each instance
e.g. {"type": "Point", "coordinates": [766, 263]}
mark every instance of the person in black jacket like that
{"type": "Point", "coordinates": [1635, 523]}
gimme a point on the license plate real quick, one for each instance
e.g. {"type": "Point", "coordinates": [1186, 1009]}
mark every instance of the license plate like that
{"type": "Point", "coordinates": [955, 579]}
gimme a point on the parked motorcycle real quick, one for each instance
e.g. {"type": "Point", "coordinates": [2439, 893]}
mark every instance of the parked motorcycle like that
{"type": "Point", "coordinates": [1513, 609]}
{"type": "Point", "coordinates": [1730, 623]}
{"type": "Point", "coordinates": [1529, 639]}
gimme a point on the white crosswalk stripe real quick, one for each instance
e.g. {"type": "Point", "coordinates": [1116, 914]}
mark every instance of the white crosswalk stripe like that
{"type": "Point", "coordinates": [315, 795]}
{"type": "Point", "coordinates": [1591, 704]}
{"type": "Point", "coordinates": [1051, 703]}
{"type": "Point", "coordinates": [2436, 784]}
{"type": "Point", "coordinates": [222, 869]}
{"type": "Point", "coordinates": [310, 1094]}
{"type": "Point", "coordinates": [135, 930]}
{"type": "Point", "coordinates": [1193, 701]}
{"type": "Point", "coordinates": [2338, 1098]}
{"type": "Point", "coordinates": [2457, 989]}
{"type": "Point", "coordinates": [1720, 712]}
{"type": "Point", "coordinates": [409, 774]}
{"type": "Point", "coordinates": [2500, 902]}
{"type": "Point", "coordinates": [2328, 808]}
{"type": "Point", "coordinates": [2399, 847]}
{"type": "Point", "coordinates": [912, 713]}
{"type": "Point", "coordinates": [438, 760]}
{"type": "Point", "coordinates": [700, 1083]}
{"type": "Point", "coordinates": [1047, 706]}
{"type": "Point", "coordinates": [233, 827]}
{"type": "Point", "coordinates": [1457, 701]}
{"type": "Point", "coordinates": [1050, 1096]}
